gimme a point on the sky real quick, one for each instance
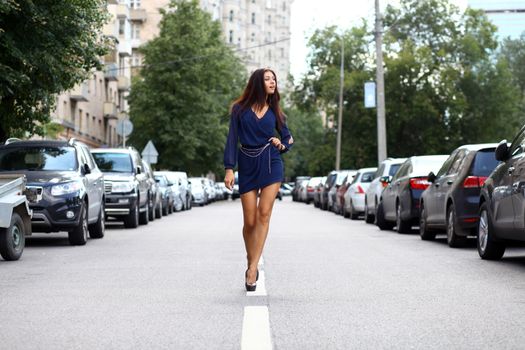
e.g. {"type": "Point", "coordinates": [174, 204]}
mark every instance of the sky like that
{"type": "Point", "coordinates": [308, 15]}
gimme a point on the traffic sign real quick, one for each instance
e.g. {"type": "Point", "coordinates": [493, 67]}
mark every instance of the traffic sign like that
{"type": "Point", "coordinates": [124, 127]}
{"type": "Point", "coordinates": [370, 94]}
{"type": "Point", "coordinates": [149, 153]}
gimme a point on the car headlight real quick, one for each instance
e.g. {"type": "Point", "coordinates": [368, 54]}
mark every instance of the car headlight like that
{"type": "Point", "coordinates": [122, 187]}
{"type": "Point", "coordinates": [66, 188]}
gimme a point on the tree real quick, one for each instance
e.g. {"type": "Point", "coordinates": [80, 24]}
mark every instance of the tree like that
{"type": "Point", "coordinates": [181, 99]}
{"type": "Point", "coordinates": [45, 47]}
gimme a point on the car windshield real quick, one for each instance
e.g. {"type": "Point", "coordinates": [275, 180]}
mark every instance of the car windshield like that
{"type": "Point", "coordinates": [38, 158]}
{"type": "Point", "coordinates": [114, 162]}
{"type": "Point", "coordinates": [393, 169]}
{"type": "Point", "coordinates": [196, 184]}
{"type": "Point", "coordinates": [484, 163]}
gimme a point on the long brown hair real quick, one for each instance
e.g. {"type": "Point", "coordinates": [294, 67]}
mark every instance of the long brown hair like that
{"type": "Point", "coordinates": [255, 95]}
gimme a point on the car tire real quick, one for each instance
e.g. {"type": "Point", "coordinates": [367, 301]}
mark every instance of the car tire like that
{"type": "Point", "coordinates": [488, 249]}
{"type": "Point", "coordinates": [151, 211]}
{"type": "Point", "coordinates": [165, 209]}
{"type": "Point", "coordinates": [402, 226]}
{"type": "Point", "coordinates": [144, 216]}
{"type": "Point", "coordinates": [158, 210]}
{"type": "Point", "coordinates": [13, 238]}
{"type": "Point", "coordinates": [369, 218]}
{"type": "Point", "coordinates": [132, 219]}
{"type": "Point", "coordinates": [424, 232]}
{"type": "Point", "coordinates": [453, 239]}
{"type": "Point", "coordinates": [79, 235]}
{"type": "Point", "coordinates": [97, 229]}
{"type": "Point", "coordinates": [345, 213]}
{"type": "Point", "coordinates": [353, 214]}
{"type": "Point", "coordinates": [381, 222]}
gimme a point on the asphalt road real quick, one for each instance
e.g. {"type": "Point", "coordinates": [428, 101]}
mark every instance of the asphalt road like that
{"type": "Point", "coordinates": [331, 283]}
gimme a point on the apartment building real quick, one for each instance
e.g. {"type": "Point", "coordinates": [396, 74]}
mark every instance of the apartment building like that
{"type": "Point", "coordinates": [508, 16]}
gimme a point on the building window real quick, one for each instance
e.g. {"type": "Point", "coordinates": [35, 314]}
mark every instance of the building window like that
{"type": "Point", "coordinates": [269, 54]}
{"type": "Point", "coordinates": [135, 31]}
{"type": "Point", "coordinates": [282, 52]}
{"type": "Point", "coordinates": [269, 37]}
{"type": "Point", "coordinates": [253, 17]}
{"type": "Point", "coordinates": [134, 4]}
{"type": "Point", "coordinates": [231, 16]}
{"type": "Point", "coordinates": [284, 20]}
{"type": "Point", "coordinates": [253, 1]}
{"type": "Point", "coordinates": [238, 42]}
{"type": "Point", "coordinates": [284, 5]}
{"type": "Point", "coordinates": [253, 37]}
{"type": "Point", "coordinates": [122, 26]}
{"type": "Point", "coordinates": [230, 38]}
{"type": "Point", "coordinates": [269, 19]}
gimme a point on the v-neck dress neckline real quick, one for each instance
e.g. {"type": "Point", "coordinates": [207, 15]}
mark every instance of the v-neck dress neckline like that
{"type": "Point", "coordinates": [256, 116]}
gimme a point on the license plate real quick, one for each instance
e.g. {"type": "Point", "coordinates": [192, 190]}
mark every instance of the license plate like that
{"type": "Point", "coordinates": [123, 201]}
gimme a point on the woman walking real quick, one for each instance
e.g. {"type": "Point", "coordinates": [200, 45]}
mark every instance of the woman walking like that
{"type": "Point", "coordinates": [254, 118]}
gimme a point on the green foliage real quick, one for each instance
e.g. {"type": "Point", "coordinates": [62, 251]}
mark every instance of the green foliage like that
{"type": "Point", "coordinates": [181, 99]}
{"type": "Point", "coordinates": [445, 84]}
{"type": "Point", "coordinates": [45, 48]}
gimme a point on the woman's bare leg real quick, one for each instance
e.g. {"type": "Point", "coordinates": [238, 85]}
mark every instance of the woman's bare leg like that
{"type": "Point", "coordinates": [249, 211]}
{"type": "Point", "coordinates": [262, 224]}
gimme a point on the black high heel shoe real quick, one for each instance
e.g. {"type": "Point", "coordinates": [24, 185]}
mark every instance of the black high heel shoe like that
{"type": "Point", "coordinates": [250, 287]}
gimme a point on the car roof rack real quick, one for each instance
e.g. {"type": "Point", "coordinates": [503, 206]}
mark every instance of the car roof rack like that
{"type": "Point", "coordinates": [11, 140]}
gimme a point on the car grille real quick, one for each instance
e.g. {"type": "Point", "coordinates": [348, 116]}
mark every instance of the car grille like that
{"type": "Point", "coordinates": [33, 193]}
{"type": "Point", "coordinates": [107, 187]}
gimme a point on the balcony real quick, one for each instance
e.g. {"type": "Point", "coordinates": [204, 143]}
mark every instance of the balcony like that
{"type": "Point", "coordinates": [135, 43]}
{"type": "Point", "coordinates": [123, 83]}
{"type": "Point", "coordinates": [138, 15]}
{"type": "Point", "coordinates": [111, 72]}
{"type": "Point", "coordinates": [122, 11]}
{"type": "Point", "coordinates": [110, 110]}
{"type": "Point", "coordinates": [124, 48]}
{"type": "Point", "coordinates": [79, 93]}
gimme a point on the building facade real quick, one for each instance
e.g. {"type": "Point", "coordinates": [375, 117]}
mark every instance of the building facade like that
{"type": "Point", "coordinates": [508, 16]}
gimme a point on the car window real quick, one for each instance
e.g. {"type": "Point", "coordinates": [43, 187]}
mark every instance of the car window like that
{"type": "Point", "coordinates": [114, 162]}
{"type": "Point", "coordinates": [446, 166]}
{"type": "Point", "coordinates": [379, 171]}
{"type": "Point", "coordinates": [484, 163]}
{"type": "Point", "coordinates": [402, 171]}
{"type": "Point", "coordinates": [37, 158]}
{"type": "Point", "coordinates": [87, 157]}
{"type": "Point", "coordinates": [367, 177]}
{"type": "Point", "coordinates": [393, 169]}
{"type": "Point", "coordinates": [518, 146]}
{"type": "Point", "coordinates": [458, 162]}
{"type": "Point", "coordinates": [356, 178]}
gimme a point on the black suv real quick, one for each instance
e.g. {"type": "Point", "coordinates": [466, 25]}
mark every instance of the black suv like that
{"type": "Point", "coordinates": [127, 186]}
{"type": "Point", "coordinates": [65, 188]}
{"type": "Point", "coordinates": [502, 201]}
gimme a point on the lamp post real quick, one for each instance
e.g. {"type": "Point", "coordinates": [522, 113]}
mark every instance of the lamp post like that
{"type": "Point", "coordinates": [340, 114]}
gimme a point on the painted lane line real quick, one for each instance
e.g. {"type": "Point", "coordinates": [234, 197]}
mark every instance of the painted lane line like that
{"type": "Point", "coordinates": [260, 291]}
{"type": "Point", "coordinates": [256, 328]}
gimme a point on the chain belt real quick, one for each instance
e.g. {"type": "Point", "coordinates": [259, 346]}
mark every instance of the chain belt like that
{"type": "Point", "coordinates": [256, 152]}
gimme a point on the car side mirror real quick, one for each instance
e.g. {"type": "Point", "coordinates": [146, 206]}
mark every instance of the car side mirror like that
{"type": "Point", "coordinates": [431, 177]}
{"type": "Point", "coordinates": [87, 169]}
{"type": "Point", "coordinates": [139, 169]}
{"type": "Point", "coordinates": [385, 179]}
{"type": "Point", "coordinates": [157, 180]}
{"type": "Point", "coordinates": [502, 151]}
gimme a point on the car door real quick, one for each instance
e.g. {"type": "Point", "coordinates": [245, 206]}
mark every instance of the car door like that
{"type": "Point", "coordinates": [92, 184]}
{"type": "Point", "coordinates": [435, 193]}
{"type": "Point", "coordinates": [390, 192]}
{"type": "Point", "coordinates": [142, 178]}
{"type": "Point", "coordinates": [517, 174]}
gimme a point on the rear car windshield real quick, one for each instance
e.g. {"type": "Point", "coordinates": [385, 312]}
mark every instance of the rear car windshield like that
{"type": "Point", "coordinates": [38, 158]}
{"type": "Point", "coordinates": [393, 169]}
{"type": "Point", "coordinates": [368, 177]}
{"type": "Point", "coordinates": [484, 163]}
{"type": "Point", "coordinates": [114, 162]}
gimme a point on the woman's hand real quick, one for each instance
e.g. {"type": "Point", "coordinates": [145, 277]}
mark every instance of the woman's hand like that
{"type": "Point", "coordinates": [277, 143]}
{"type": "Point", "coordinates": [229, 179]}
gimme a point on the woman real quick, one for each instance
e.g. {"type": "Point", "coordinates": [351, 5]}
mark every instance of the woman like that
{"type": "Point", "coordinates": [254, 118]}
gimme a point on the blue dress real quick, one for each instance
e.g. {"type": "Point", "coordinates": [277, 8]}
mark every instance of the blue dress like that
{"type": "Point", "coordinates": [260, 162]}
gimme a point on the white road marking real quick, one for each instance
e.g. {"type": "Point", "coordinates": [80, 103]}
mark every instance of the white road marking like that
{"type": "Point", "coordinates": [256, 328]}
{"type": "Point", "coordinates": [260, 291]}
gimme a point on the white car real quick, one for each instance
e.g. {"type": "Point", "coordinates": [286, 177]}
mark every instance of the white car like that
{"type": "Point", "coordinates": [199, 195]}
{"type": "Point", "coordinates": [354, 203]}
{"type": "Point", "coordinates": [388, 167]}
{"type": "Point", "coordinates": [180, 188]}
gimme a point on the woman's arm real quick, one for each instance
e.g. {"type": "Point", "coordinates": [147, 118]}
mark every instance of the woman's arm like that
{"type": "Point", "coordinates": [286, 138]}
{"type": "Point", "coordinates": [230, 151]}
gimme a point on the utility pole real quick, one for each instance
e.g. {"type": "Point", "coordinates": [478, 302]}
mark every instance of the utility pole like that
{"type": "Point", "coordinates": [340, 116]}
{"type": "Point", "coordinates": [380, 83]}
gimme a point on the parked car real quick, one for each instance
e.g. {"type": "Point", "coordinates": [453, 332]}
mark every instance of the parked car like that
{"type": "Point", "coordinates": [65, 188]}
{"type": "Point", "coordinates": [340, 177]}
{"type": "Point", "coordinates": [295, 191]}
{"type": "Point", "coordinates": [502, 201]}
{"type": "Point", "coordinates": [310, 188]}
{"type": "Point", "coordinates": [225, 192]}
{"type": "Point", "coordinates": [166, 193]}
{"type": "Point", "coordinates": [286, 189]}
{"type": "Point", "coordinates": [178, 188]}
{"type": "Point", "coordinates": [388, 167]}
{"type": "Point", "coordinates": [127, 187]}
{"type": "Point", "coordinates": [354, 197]}
{"type": "Point", "coordinates": [340, 196]}
{"type": "Point", "coordinates": [155, 204]}
{"type": "Point", "coordinates": [399, 202]}
{"type": "Point", "coordinates": [451, 202]}
{"type": "Point", "coordinates": [200, 197]}
{"type": "Point", "coordinates": [323, 193]}
{"type": "Point", "coordinates": [302, 191]}
{"type": "Point", "coordinates": [317, 192]}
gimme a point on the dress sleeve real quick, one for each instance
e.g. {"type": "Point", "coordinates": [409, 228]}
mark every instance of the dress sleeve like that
{"type": "Point", "coordinates": [286, 138]}
{"type": "Point", "coordinates": [230, 151]}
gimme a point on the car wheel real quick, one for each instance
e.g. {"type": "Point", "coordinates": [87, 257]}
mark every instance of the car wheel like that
{"type": "Point", "coordinates": [381, 222]}
{"type": "Point", "coordinates": [151, 211]}
{"type": "Point", "coordinates": [369, 218]}
{"type": "Point", "coordinates": [97, 229]}
{"type": "Point", "coordinates": [402, 226]}
{"type": "Point", "coordinates": [424, 231]}
{"type": "Point", "coordinates": [488, 249]}
{"type": "Point", "coordinates": [353, 214]}
{"type": "Point", "coordinates": [144, 216]}
{"type": "Point", "coordinates": [453, 239]}
{"type": "Point", "coordinates": [12, 239]}
{"type": "Point", "coordinates": [79, 235]}
{"type": "Point", "coordinates": [165, 208]}
{"type": "Point", "coordinates": [345, 212]}
{"type": "Point", "coordinates": [158, 210]}
{"type": "Point", "coordinates": [132, 219]}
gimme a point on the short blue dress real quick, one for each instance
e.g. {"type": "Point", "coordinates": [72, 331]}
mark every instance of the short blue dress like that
{"type": "Point", "coordinates": [260, 162]}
